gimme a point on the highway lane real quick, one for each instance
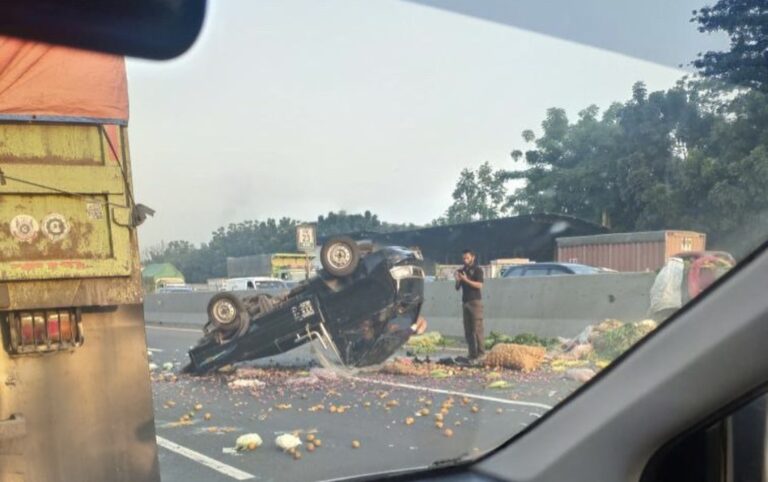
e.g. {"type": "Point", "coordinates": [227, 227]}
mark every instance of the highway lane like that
{"type": "Point", "coordinates": [376, 412]}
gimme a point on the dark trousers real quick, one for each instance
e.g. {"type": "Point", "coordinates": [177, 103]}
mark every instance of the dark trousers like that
{"type": "Point", "coordinates": [473, 327]}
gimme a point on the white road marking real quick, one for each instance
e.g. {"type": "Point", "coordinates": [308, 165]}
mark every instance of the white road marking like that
{"type": "Point", "coordinates": [456, 393]}
{"type": "Point", "coordinates": [201, 459]}
{"type": "Point", "coordinates": [168, 328]}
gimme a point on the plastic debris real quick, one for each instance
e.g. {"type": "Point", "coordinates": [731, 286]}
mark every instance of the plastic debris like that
{"type": "Point", "coordinates": [602, 363]}
{"type": "Point", "coordinates": [300, 381]}
{"type": "Point", "coordinates": [580, 374]}
{"type": "Point", "coordinates": [498, 384]}
{"type": "Point", "coordinates": [167, 366]}
{"type": "Point", "coordinates": [180, 423]}
{"type": "Point", "coordinates": [425, 344]}
{"type": "Point", "coordinates": [440, 373]}
{"type": "Point", "coordinates": [287, 441]}
{"type": "Point", "coordinates": [324, 374]}
{"type": "Point", "coordinates": [246, 383]}
{"type": "Point", "coordinates": [249, 441]}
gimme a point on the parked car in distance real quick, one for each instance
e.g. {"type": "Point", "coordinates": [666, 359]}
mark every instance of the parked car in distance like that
{"type": "Point", "coordinates": [550, 269]}
{"type": "Point", "coordinates": [174, 288]}
{"type": "Point", "coordinates": [254, 283]}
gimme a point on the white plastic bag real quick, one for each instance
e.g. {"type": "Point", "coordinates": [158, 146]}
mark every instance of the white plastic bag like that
{"type": "Point", "coordinates": [666, 292]}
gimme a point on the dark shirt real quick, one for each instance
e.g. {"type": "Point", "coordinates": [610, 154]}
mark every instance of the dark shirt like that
{"type": "Point", "coordinates": [468, 293]}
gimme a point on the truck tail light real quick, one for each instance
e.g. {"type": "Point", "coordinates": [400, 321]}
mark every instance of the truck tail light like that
{"type": "Point", "coordinates": [43, 331]}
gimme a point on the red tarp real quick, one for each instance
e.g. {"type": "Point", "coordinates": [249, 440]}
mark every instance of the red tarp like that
{"type": "Point", "coordinates": [52, 82]}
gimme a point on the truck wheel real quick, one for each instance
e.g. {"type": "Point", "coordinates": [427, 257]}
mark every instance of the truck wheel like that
{"type": "Point", "coordinates": [340, 256]}
{"type": "Point", "coordinates": [226, 312]}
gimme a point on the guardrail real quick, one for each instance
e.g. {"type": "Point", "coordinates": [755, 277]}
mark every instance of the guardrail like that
{"type": "Point", "coordinates": [546, 306]}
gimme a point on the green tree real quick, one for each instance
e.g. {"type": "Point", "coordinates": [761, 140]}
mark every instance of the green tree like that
{"type": "Point", "coordinates": [685, 158]}
{"type": "Point", "coordinates": [209, 260]}
{"type": "Point", "coordinates": [343, 223]}
{"type": "Point", "coordinates": [746, 62]}
{"type": "Point", "coordinates": [478, 195]}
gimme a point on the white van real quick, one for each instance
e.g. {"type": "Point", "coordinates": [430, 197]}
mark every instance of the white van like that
{"type": "Point", "coordinates": [254, 283]}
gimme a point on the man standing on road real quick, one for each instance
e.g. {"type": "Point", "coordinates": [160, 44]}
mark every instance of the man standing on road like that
{"type": "Point", "coordinates": [470, 279]}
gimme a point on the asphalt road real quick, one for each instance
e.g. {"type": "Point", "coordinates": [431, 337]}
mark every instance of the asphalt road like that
{"type": "Point", "coordinates": [376, 408]}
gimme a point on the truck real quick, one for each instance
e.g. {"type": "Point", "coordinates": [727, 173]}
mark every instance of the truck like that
{"type": "Point", "coordinates": [285, 266]}
{"type": "Point", "coordinates": [75, 394]}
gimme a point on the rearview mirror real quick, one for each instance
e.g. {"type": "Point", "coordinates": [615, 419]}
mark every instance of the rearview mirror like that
{"type": "Point", "coordinates": [155, 29]}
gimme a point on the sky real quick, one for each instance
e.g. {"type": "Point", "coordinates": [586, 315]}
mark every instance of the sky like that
{"type": "Point", "coordinates": [294, 109]}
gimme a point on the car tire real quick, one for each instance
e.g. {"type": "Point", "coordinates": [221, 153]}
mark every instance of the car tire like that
{"type": "Point", "coordinates": [340, 256]}
{"type": "Point", "coordinates": [227, 312]}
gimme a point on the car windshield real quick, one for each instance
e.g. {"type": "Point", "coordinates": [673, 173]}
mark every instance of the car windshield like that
{"type": "Point", "coordinates": [579, 269]}
{"type": "Point", "coordinates": [305, 140]}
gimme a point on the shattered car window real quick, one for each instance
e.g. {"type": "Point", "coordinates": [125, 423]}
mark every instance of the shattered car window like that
{"type": "Point", "coordinates": [460, 214]}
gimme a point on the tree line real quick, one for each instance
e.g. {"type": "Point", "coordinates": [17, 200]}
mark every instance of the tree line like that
{"type": "Point", "coordinates": [209, 260]}
{"type": "Point", "coordinates": [694, 156]}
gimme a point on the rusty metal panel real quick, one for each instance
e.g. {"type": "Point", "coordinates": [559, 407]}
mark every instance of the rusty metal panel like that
{"type": "Point", "coordinates": [65, 236]}
{"type": "Point", "coordinates": [88, 412]}
{"type": "Point", "coordinates": [685, 242]}
{"type": "Point", "coordinates": [53, 144]}
{"type": "Point", "coordinates": [643, 251]}
{"type": "Point", "coordinates": [64, 205]}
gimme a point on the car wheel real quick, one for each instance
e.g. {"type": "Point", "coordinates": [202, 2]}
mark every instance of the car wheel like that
{"type": "Point", "coordinates": [340, 256]}
{"type": "Point", "coordinates": [226, 312]}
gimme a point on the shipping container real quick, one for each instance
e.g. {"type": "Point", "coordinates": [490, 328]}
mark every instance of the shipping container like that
{"type": "Point", "coordinates": [641, 251]}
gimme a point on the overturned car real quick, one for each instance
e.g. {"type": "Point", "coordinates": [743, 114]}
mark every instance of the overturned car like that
{"type": "Point", "coordinates": [361, 307]}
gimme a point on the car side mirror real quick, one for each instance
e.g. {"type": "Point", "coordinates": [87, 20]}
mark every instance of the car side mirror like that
{"type": "Point", "coordinates": [154, 29]}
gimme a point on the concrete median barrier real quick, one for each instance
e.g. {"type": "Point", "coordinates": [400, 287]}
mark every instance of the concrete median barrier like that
{"type": "Point", "coordinates": [184, 308]}
{"type": "Point", "coordinates": [546, 306]}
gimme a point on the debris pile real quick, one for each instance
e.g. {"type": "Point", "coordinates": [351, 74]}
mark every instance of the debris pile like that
{"type": "Point", "coordinates": [580, 374]}
{"type": "Point", "coordinates": [596, 347]}
{"type": "Point", "coordinates": [517, 357]}
{"type": "Point", "coordinates": [405, 366]}
{"type": "Point", "coordinates": [425, 344]}
{"type": "Point", "coordinates": [529, 339]}
{"type": "Point", "coordinates": [246, 383]}
{"type": "Point", "coordinates": [606, 340]}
